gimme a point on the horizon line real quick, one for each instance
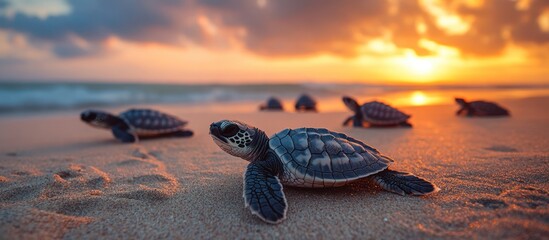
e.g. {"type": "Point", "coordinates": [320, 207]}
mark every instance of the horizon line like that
{"type": "Point", "coordinates": [434, 84]}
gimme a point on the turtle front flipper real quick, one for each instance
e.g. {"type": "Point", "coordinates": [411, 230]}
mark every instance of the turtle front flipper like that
{"type": "Point", "coordinates": [121, 132]}
{"type": "Point", "coordinates": [461, 110]}
{"type": "Point", "coordinates": [263, 193]}
{"type": "Point", "coordinates": [464, 106]}
{"type": "Point", "coordinates": [465, 110]}
{"type": "Point", "coordinates": [348, 120]}
{"type": "Point", "coordinates": [404, 183]}
{"type": "Point", "coordinates": [353, 106]}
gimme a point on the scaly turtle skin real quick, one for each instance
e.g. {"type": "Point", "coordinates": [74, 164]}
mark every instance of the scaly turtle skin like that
{"type": "Point", "coordinates": [305, 157]}
{"type": "Point", "coordinates": [272, 104]}
{"type": "Point", "coordinates": [480, 109]}
{"type": "Point", "coordinates": [377, 114]}
{"type": "Point", "coordinates": [132, 124]}
{"type": "Point", "coordinates": [305, 103]}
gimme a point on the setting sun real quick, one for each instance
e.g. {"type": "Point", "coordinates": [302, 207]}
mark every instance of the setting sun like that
{"type": "Point", "coordinates": [415, 69]}
{"type": "Point", "coordinates": [419, 66]}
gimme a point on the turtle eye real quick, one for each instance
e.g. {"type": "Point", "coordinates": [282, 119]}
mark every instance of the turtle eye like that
{"type": "Point", "coordinates": [230, 130]}
{"type": "Point", "coordinates": [87, 116]}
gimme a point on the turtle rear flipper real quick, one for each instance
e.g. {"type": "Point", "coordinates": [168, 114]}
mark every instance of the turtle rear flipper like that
{"type": "Point", "coordinates": [121, 133]}
{"type": "Point", "coordinates": [182, 133]}
{"type": "Point", "coordinates": [263, 194]}
{"type": "Point", "coordinates": [405, 124]}
{"type": "Point", "coordinates": [404, 183]}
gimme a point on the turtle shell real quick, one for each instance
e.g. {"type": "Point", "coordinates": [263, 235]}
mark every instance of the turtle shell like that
{"type": "Point", "coordinates": [379, 113]}
{"type": "Point", "coordinates": [317, 157]}
{"type": "Point", "coordinates": [151, 122]}
{"type": "Point", "coordinates": [272, 104]}
{"type": "Point", "coordinates": [483, 108]}
{"type": "Point", "coordinates": [305, 102]}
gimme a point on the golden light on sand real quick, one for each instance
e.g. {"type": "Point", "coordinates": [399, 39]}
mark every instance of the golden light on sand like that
{"type": "Point", "coordinates": [418, 98]}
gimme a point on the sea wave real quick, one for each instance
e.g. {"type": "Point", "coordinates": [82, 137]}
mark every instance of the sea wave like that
{"type": "Point", "coordinates": [32, 97]}
{"type": "Point", "coordinates": [21, 97]}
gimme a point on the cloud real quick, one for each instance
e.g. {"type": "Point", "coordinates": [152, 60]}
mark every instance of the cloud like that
{"type": "Point", "coordinates": [492, 26]}
{"type": "Point", "coordinates": [495, 25]}
{"type": "Point", "coordinates": [93, 22]}
{"type": "Point", "coordinates": [527, 29]}
{"type": "Point", "coordinates": [305, 27]}
{"type": "Point", "coordinates": [286, 28]}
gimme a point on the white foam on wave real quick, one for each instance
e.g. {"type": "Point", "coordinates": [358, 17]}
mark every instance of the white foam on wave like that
{"type": "Point", "coordinates": [25, 97]}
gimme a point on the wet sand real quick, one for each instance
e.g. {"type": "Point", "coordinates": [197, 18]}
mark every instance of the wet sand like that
{"type": "Point", "coordinates": [62, 179]}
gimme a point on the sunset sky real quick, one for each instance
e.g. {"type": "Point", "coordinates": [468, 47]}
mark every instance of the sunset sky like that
{"type": "Point", "coordinates": [235, 41]}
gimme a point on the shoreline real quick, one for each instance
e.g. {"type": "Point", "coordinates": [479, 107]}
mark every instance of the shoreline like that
{"type": "Point", "coordinates": [244, 106]}
{"type": "Point", "coordinates": [31, 99]}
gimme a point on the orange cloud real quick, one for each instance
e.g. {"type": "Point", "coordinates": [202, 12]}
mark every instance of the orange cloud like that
{"type": "Point", "coordinates": [425, 40]}
{"type": "Point", "coordinates": [292, 28]}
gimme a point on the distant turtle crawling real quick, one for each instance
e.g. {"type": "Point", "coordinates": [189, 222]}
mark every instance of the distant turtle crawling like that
{"type": "Point", "coordinates": [133, 124]}
{"type": "Point", "coordinates": [305, 103]}
{"type": "Point", "coordinates": [480, 108]}
{"type": "Point", "coordinates": [305, 157]}
{"type": "Point", "coordinates": [272, 104]}
{"type": "Point", "coordinates": [377, 114]}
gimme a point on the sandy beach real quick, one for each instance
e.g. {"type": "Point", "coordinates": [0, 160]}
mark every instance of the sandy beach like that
{"type": "Point", "coordinates": [59, 178]}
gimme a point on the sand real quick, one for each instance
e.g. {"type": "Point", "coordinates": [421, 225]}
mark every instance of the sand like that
{"type": "Point", "coordinates": [62, 179]}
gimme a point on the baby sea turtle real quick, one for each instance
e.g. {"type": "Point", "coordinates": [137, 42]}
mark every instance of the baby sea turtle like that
{"type": "Point", "coordinates": [272, 104]}
{"type": "Point", "coordinates": [377, 114]}
{"type": "Point", "coordinates": [480, 108]}
{"type": "Point", "coordinates": [132, 124]}
{"type": "Point", "coordinates": [305, 157]}
{"type": "Point", "coordinates": [305, 103]}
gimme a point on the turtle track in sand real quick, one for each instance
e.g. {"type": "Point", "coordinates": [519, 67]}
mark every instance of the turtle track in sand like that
{"type": "Point", "coordinates": [56, 199]}
{"type": "Point", "coordinates": [152, 182]}
{"type": "Point", "coordinates": [51, 183]}
{"type": "Point", "coordinates": [517, 201]}
{"type": "Point", "coordinates": [72, 193]}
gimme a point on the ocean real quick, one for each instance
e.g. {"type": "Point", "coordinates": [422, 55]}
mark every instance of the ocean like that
{"type": "Point", "coordinates": [26, 97]}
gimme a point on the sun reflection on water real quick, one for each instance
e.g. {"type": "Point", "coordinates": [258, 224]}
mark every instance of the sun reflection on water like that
{"type": "Point", "coordinates": [418, 98]}
{"type": "Point", "coordinates": [415, 98]}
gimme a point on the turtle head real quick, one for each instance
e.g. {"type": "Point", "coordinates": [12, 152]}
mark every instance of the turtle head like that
{"type": "Point", "coordinates": [239, 139]}
{"type": "Point", "coordinates": [461, 101]}
{"type": "Point", "coordinates": [351, 103]}
{"type": "Point", "coordinates": [99, 119]}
